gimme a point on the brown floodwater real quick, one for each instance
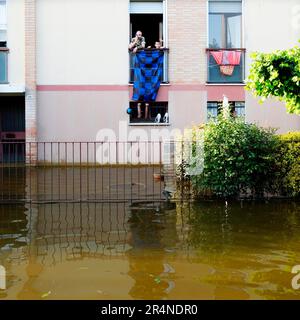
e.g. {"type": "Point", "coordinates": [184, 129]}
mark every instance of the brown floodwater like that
{"type": "Point", "coordinates": [150, 250]}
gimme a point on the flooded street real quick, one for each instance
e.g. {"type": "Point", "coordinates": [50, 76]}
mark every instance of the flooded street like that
{"type": "Point", "coordinates": [150, 250]}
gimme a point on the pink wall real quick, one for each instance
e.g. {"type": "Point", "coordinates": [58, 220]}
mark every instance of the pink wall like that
{"type": "Point", "coordinates": [214, 92]}
{"type": "Point", "coordinates": [233, 93]}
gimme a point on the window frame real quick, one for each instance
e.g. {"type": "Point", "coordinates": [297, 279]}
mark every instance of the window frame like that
{"type": "Point", "coordinates": [3, 26]}
{"type": "Point", "coordinates": [133, 105]}
{"type": "Point", "coordinates": [225, 32]}
{"type": "Point", "coordinates": [233, 104]}
{"type": "Point", "coordinates": [165, 38]}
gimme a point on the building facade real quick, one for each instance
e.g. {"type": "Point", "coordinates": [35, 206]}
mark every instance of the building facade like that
{"type": "Point", "coordinates": [65, 69]}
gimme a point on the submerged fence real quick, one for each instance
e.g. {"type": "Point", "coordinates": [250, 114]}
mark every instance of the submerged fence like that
{"type": "Point", "coordinates": [80, 153]}
{"type": "Point", "coordinates": [86, 171]}
{"type": "Point", "coordinates": [68, 231]}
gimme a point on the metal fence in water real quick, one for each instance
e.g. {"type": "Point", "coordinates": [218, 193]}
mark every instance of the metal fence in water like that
{"type": "Point", "coordinates": [84, 171]}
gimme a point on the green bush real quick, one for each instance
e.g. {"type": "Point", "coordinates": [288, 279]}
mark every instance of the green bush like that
{"type": "Point", "coordinates": [238, 158]}
{"type": "Point", "coordinates": [289, 163]}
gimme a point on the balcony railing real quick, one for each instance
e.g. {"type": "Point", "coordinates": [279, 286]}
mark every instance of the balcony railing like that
{"type": "Point", "coordinates": [165, 74]}
{"type": "Point", "coordinates": [3, 65]}
{"type": "Point", "coordinates": [225, 65]}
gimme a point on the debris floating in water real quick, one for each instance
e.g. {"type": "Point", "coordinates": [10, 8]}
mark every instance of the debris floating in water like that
{"type": "Point", "coordinates": [45, 295]}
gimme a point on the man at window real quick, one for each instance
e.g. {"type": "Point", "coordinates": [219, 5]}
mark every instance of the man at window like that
{"type": "Point", "coordinates": [138, 42]}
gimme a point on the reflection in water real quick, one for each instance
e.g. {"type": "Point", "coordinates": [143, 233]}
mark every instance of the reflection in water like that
{"type": "Point", "coordinates": [150, 250]}
{"type": "Point", "coordinates": [151, 230]}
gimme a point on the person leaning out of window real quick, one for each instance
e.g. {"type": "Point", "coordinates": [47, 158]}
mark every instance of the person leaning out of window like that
{"type": "Point", "coordinates": [138, 42]}
{"type": "Point", "coordinates": [157, 45]}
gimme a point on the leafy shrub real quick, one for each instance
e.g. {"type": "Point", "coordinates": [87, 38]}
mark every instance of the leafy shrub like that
{"type": "Point", "coordinates": [238, 157]}
{"type": "Point", "coordinates": [289, 162]}
{"type": "Point", "coordinates": [228, 157]}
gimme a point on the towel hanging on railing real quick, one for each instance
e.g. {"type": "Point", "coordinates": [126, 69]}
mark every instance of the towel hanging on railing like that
{"type": "Point", "coordinates": [148, 68]}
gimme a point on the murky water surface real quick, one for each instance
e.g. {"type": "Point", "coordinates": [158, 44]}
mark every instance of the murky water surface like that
{"type": "Point", "coordinates": [146, 250]}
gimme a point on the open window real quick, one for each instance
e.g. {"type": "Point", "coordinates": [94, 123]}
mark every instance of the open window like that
{"type": "Point", "coordinates": [151, 113]}
{"type": "Point", "coordinates": [149, 18]}
{"type": "Point", "coordinates": [151, 26]}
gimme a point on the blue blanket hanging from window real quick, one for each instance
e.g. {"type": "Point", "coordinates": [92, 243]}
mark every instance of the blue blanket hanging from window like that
{"type": "Point", "coordinates": [148, 68]}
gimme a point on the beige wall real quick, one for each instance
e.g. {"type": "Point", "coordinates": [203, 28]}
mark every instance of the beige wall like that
{"type": "Point", "coordinates": [270, 25]}
{"type": "Point", "coordinates": [187, 108]}
{"type": "Point", "coordinates": [16, 42]}
{"type": "Point", "coordinates": [79, 115]}
{"type": "Point", "coordinates": [271, 114]}
{"type": "Point", "coordinates": [82, 43]}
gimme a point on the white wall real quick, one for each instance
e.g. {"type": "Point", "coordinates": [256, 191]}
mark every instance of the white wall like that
{"type": "Point", "coordinates": [271, 113]}
{"type": "Point", "coordinates": [82, 41]}
{"type": "Point", "coordinates": [270, 25]}
{"type": "Point", "coordinates": [16, 42]}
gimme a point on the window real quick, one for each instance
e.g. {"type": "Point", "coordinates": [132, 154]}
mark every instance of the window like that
{"type": "Point", "coordinates": [221, 70]}
{"type": "Point", "coordinates": [3, 49]}
{"type": "Point", "coordinates": [3, 23]}
{"type": "Point", "coordinates": [225, 55]}
{"type": "Point", "coordinates": [155, 113]}
{"type": "Point", "coordinates": [149, 17]}
{"type": "Point", "coordinates": [214, 109]}
{"type": "Point", "coordinates": [239, 109]}
{"type": "Point", "coordinates": [225, 24]}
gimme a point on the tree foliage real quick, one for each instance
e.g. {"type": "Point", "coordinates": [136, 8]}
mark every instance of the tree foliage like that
{"type": "Point", "coordinates": [277, 74]}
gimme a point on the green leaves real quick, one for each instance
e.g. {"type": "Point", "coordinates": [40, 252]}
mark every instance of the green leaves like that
{"type": "Point", "coordinates": [289, 161]}
{"type": "Point", "coordinates": [237, 157]}
{"type": "Point", "coordinates": [277, 74]}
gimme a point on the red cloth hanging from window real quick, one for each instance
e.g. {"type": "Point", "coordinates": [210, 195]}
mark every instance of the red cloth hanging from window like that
{"type": "Point", "coordinates": [231, 58]}
{"type": "Point", "coordinates": [218, 56]}
{"type": "Point", "coordinates": [227, 57]}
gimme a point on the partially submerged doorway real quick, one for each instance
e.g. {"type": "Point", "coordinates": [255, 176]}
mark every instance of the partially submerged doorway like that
{"type": "Point", "coordinates": [12, 128]}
